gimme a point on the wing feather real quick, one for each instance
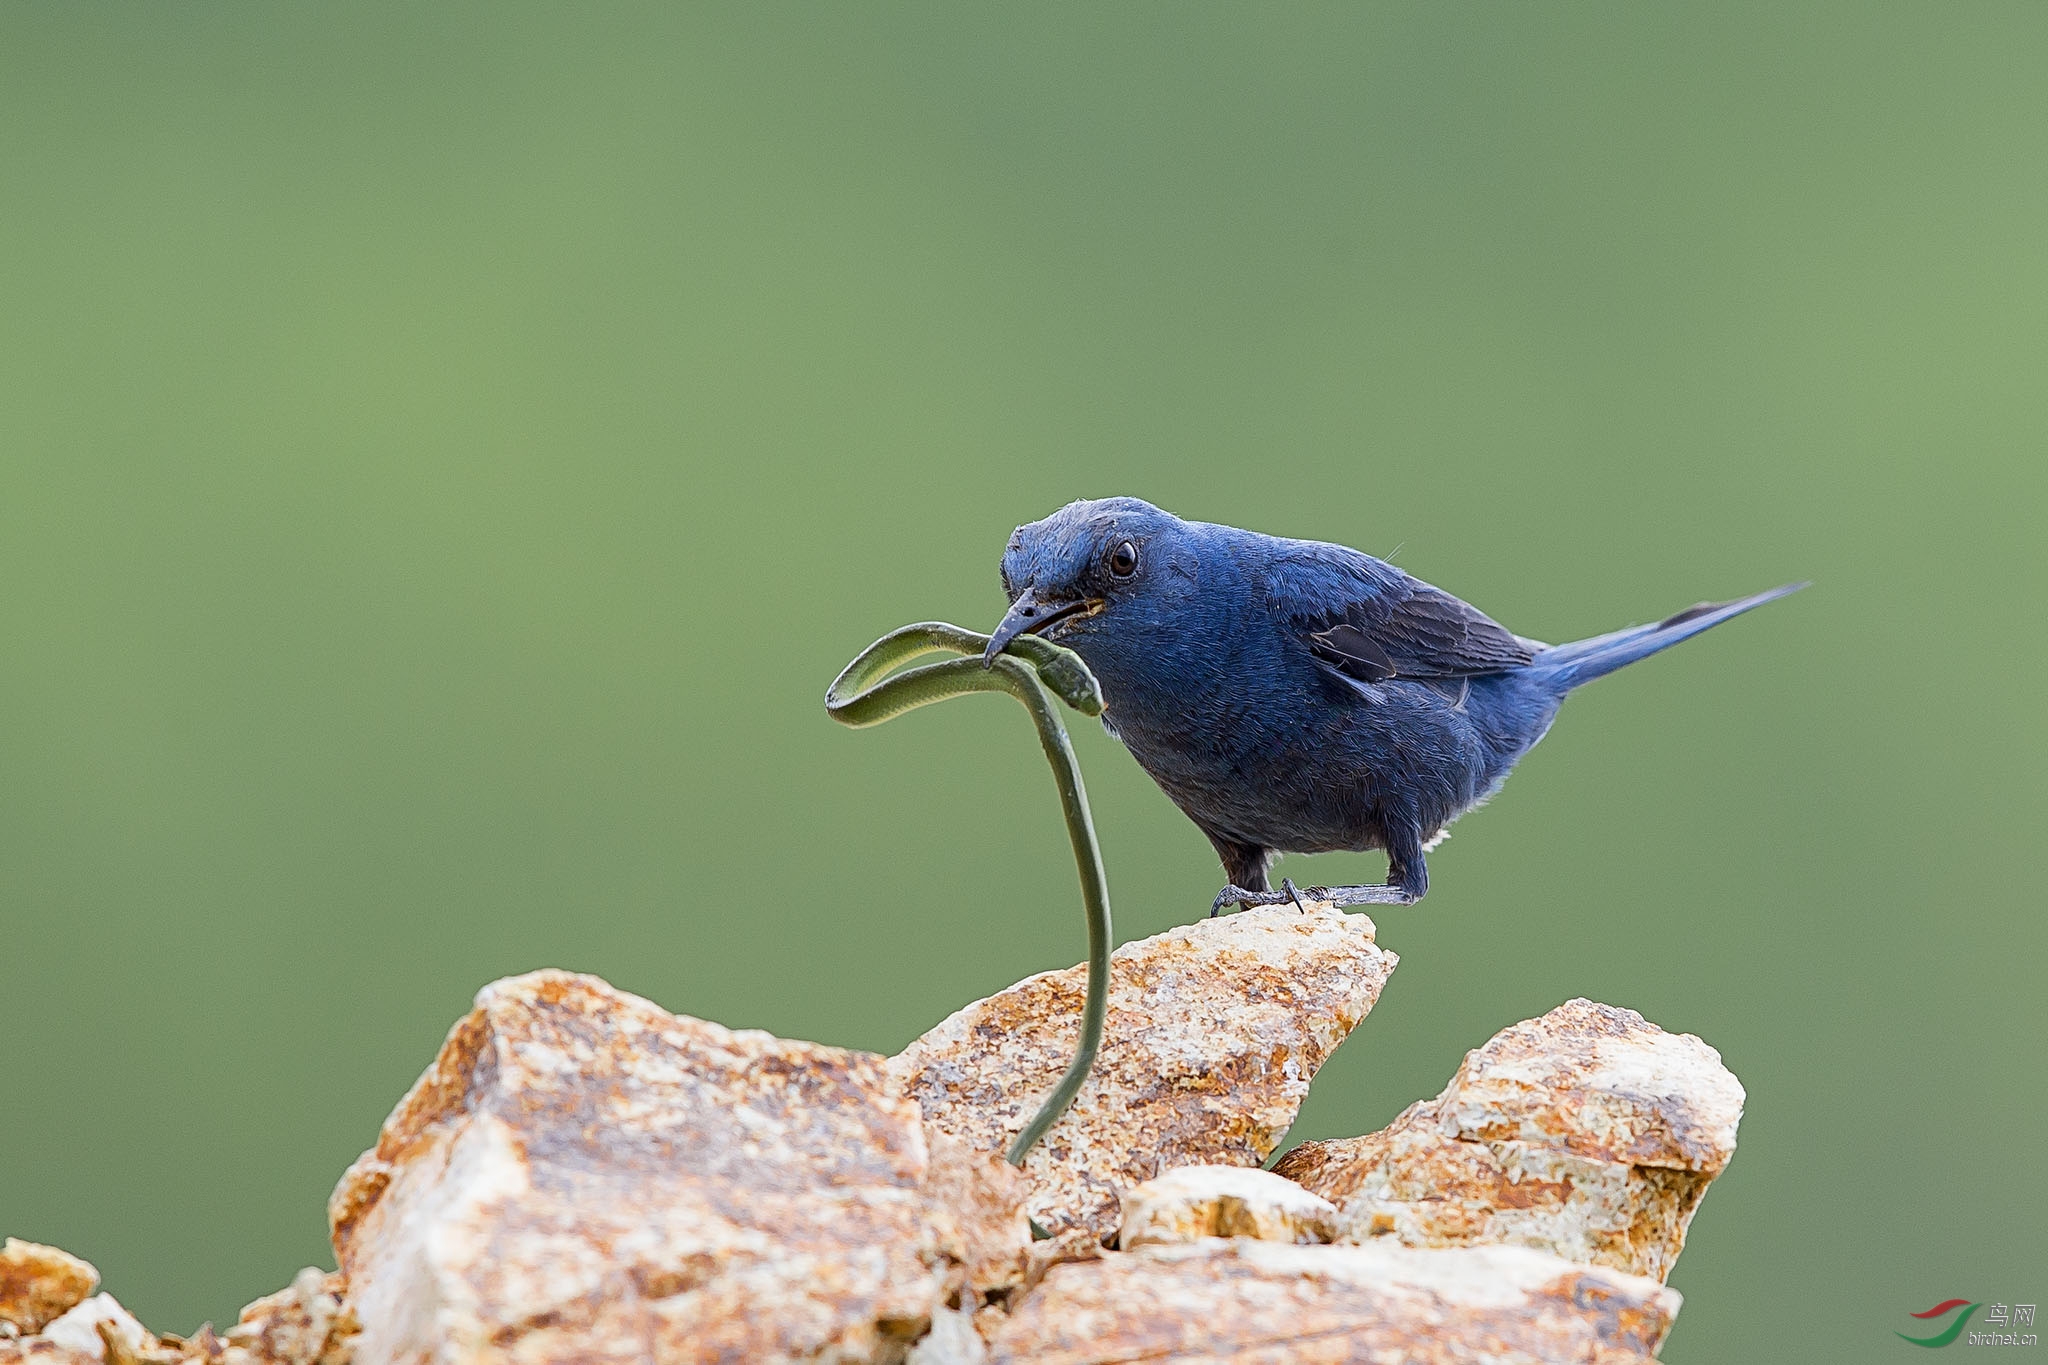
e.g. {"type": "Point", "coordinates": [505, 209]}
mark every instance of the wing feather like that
{"type": "Point", "coordinates": [1369, 621]}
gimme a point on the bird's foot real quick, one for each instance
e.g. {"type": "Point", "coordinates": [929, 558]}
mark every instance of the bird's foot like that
{"type": "Point", "coordinates": [1332, 895]}
{"type": "Point", "coordinates": [1287, 894]}
{"type": "Point", "coordinates": [1362, 895]}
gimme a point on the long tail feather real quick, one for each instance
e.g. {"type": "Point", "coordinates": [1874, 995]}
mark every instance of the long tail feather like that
{"type": "Point", "coordinates": [1572, 665]}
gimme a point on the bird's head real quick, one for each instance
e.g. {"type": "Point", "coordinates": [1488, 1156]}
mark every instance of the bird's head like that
{"type": "Point", "coordinates": [1086, 564]}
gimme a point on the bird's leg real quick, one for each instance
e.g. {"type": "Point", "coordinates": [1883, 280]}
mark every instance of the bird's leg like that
{"type": "Point", "coordinates": [1244, 865]}
{"type": "Point", "coordinates": [1407, 876]}
{"type": "Point", "coordinates": [1405, 866]}
{"type": "Point", "coordinates": [1288, 894]}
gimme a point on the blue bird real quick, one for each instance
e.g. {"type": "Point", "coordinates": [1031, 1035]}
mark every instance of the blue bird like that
{"type": "Point", "coordinates": [1297, 696]}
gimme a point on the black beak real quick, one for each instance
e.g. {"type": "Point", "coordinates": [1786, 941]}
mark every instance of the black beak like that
{"type": "Point", "coordinates": [1028, 615]}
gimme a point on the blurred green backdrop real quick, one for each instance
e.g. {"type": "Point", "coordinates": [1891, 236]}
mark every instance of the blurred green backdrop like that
{"type": "Point", "coordinates": [445, 452]}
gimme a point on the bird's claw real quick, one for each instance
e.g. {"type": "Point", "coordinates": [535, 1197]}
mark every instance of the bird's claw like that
{"type": "Point", "coordinates": [1290, 894]}
{"type": "Point", "coordinates": [1245, 899]}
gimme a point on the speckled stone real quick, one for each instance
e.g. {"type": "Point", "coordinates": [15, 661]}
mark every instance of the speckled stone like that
{"type": "Point", "coordinates": [1589, 1132]}
{"type": "Point", "coordinates": [1214, 1030]}
{"type": "Point", "coordinates": [1224, 1201]}
{"type": "Point", "coordinates": [98, 1330]}
{"type": "Point", "coordinates": [1261, 1303]}
{"type": "Point", "coordinates": [40, 1284]}
{"type": "Point", "coordinates": [581, 1176]}
{"type": "Point", "coordinates": [308, 1322]}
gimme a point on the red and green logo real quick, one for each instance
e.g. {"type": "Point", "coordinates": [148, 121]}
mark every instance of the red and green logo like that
{"type": "Point", "coordinates": [1948, 1333]}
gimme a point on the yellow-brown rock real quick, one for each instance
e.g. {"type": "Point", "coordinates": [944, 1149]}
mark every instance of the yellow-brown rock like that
{"type": "Point", "coordinates": [309, 1322]}
{"type": "Point", "coordinates": [952, 1341]}
{"type": "Point", "coordinates": [98, 1330]}
{"type": "Point", "coordinates": [1214, 1031]}
{"type": "Point", "coordinates": [1224, 1201]}
{"type": "Point", "coordinates": [40, 1350]}
{"type": "Point", "coordinates": [1261, 1303]}
{"type": "Point", "coordinates": [306, 1323]}
{"type": "Point", "coordinates": [40, 1284]}
{"type": "Point", "coordinates": [584, 1177]}
{"type": "Point", "coordinates": [1064, 1248]}
{"type": "Point", "coordinates": [1588, 1132]}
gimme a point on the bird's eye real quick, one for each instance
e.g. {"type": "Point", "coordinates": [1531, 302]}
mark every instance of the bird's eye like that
{"type": "Point", "coordinates": [1123, 560]}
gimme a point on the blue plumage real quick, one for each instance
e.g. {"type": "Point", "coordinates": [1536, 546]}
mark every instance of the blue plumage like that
{"type": "Point", "coordinates": [1292, 695]}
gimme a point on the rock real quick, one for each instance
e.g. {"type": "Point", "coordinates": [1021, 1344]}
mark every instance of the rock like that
{"type": "Point", "coordinates": [40, 1350]}
{"type": "Point", "coordinates": [1064, 1248]}
{"type": "Point", "coordinates": [952, 1341]}
{"type": "Point", "coordinates": [979, 1207]}
{"type": "Point", "coordinates": [101, 1330]}
{"type": "Point", "coordinates": [306, 1324]}
{"type": "Point", "coordinates": [40, 1284]}
{"type": "Point", "coordinates": [1224, 1201]}
{"type": "Point", "coordinates": [1588, 1132]}
{"type": "Point", "coordinates": [1214, 1030]}
{"type": "Point", "coordinates": [1259, 1303]}
{"type": "Point", "coordinates": [583, 1176]}
{"type": "Point", "coordinates": [309, 1322]}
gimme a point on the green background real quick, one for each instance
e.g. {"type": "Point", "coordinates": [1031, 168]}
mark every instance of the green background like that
{"type": "Point", "coordinates": [445, 452]}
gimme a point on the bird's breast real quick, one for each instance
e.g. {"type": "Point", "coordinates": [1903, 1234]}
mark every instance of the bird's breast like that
{"type": "Point", "coordinates": [1206, 725]}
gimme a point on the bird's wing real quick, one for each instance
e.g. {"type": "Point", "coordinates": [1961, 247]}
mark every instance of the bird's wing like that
{"type": "Point", "coordinates": [1369, 621]}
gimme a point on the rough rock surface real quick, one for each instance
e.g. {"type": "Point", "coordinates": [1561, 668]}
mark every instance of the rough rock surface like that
{"type": "Point", "coordinates": [952, 1341]}
{"type": "Point", "coordinates": [40, 1284]}
{"type": "Point", "coordinates": [1589, 1132]}
{"type": "Point", "coordinates": [306, 1323]}
{"type": "Point", "coordinates": [99, 1330]}
{"type": "Point", "coordinates": [1258, 1303]}
{"type": "Point", "coordinates": [1064, 1248]}
{"type": "Point", "coordinates": [1224, 1201]}
{"type": "Point", "coordinates": [1214, 1030]}
{"type": "Point", "coordinates": [583, 1176]}
{"type": "Point", "coordinates": [309, 1322]}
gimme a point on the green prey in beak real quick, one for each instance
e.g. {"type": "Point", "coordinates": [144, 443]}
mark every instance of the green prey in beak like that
{"type": "Point", "coordinates": [1032, 615]}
